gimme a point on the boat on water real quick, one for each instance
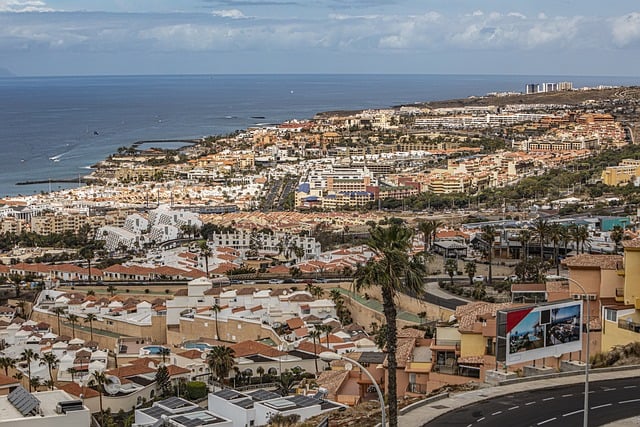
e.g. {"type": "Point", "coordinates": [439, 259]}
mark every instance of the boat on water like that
{"type": "Point", "coordinates": [257, 117]}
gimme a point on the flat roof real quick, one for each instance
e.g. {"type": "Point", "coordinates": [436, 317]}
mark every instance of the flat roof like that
{"type": "Point", "coordinates": [48, 401]}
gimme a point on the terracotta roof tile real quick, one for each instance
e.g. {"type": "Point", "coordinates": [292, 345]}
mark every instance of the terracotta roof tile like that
{"type": "Point", "coordinates": [249, 348]}
{"type": "Point", "coordinates": [605, 262]}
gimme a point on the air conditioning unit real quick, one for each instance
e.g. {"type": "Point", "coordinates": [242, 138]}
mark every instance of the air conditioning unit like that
{"type": "Point", "coordinates": [577, 297]}
{"type": "Point", "coordinates": [592, 297]}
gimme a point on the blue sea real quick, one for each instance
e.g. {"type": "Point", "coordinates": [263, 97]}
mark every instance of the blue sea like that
{"type": "Point", "coordinates": [57, 127]}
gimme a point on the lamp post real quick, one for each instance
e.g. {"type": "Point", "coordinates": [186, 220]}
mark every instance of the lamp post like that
{"type": "Point", "coordinates": [328, 356]}
{"type": "Point", "coordinates": [585, 419]}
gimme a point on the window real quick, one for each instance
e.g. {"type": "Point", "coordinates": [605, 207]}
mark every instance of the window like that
{"type": "Point", "coordinates": [611, 315]}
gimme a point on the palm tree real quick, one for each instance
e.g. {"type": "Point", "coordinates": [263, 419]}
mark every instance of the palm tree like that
{"type": "Point", "coordinates": [285, 383]}
{"type": "Point", "coordinates": [394, 270]}
{"type": "Point", "coordinates": [73, 319]}
{"type": "Point", "coordinates": [99, 379]}
{"type": "Point", "coordinates": [315, 335]}
{"type": "Point", "coordinates": [327, 330]}
{"type": "Point", "coordinates": [58, 311]}
{"type": "Point", "coordinates": [72, 371]}
{"type": "Point", "coordinates": [524, 237]}
{"type": "Point", "coordinates": [470, 268]}
{"type": "Point", "coordinates": [617, 234]}
{"type": "Point", "coordinates": [51, 361]}
{"type": "Point", "coordinates": [541, 228]}
{"type": "Point", "coordinates": [555, 235]}
{"type": "Point", "coordinates": [28, 355]}
{"type": "Point", "coordinates": [89, 319]}
{"type": "Point", "coordinates": [50, 384]}
{"type": "Point", "coordinates": [488, 235]}
{"type": "Point", "coordinates": [221, 360]}
{"type": "Point", "coordinates": [215, 308]}
{"type": "Point", "coordinates": [6, 363]}
{"type": "Point", "coordinates": [451, 267]}
{"type": "Point", "coordinates": [205, 252]}
{"type": "Point", "coordinates": [582, 236]}
{"type": "Point", "coordinates": [34, 383]}
{"type": "Point", "coordinates": [86, 252]}
{"type": "Point", "coordinates": [260, 371]}
{"type": "Point", "coordinates": [111, 289]}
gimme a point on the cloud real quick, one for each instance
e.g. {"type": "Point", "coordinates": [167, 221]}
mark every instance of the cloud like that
{"type": "Point", "coordinates": [229, 13]}
{"type": "Point", "coordinates": [626, 29]}
{"type": "Point", "coordinates": [18, 6]}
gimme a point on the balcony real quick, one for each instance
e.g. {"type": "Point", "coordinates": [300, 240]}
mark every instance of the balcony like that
{"type": "Point", "coordinates": [418, 367]}
{"type": "Point", "coordinates": [629, 325]}
{"type": "Point", "coordinates": [446, 345]}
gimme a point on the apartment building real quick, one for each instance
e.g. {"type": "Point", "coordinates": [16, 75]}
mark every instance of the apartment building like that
{"type": "Point", "coordinates": [626, 171]}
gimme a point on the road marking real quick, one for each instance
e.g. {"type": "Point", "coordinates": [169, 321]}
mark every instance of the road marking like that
{"type": "Point", "coordinates": [601, 406]}
{"type": "Point", "coordinates": [548, 398]}
{"type": "Point", "coordinates": [530, 403]}
{"type": "Point", "coordinates": [513, 407]}
{"type": "Point", "coordinates": [608, 389]}
{"type": "Point", "coordinates": [631, 386]}
{"type": "Point", "coordinates": [572, 413]}
{"type": "Point", "coordinates": [470, 425]}
{"type": "Point", "coordinates": [496, 413]}
{"type": "Point", "coordinates": [629, 401]}
{"type": "Point", "coordinates": [567, 395]}
{"type": "Point", "coordinates": [547, 421]}
{"type": "Point", "coordinates": [479, 420]}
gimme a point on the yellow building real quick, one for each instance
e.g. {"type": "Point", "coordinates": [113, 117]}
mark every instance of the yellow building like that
{"type": "Point", "coordinates": [621, 320]}
{"type": "Point", "coordinates": [621, 174]}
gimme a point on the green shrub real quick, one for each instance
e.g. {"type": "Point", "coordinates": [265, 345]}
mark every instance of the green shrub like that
{"type": "Point", "coordinates": [196, 390]}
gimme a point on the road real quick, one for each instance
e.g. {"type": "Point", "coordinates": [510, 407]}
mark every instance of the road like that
{"type": "Point", "coordinates": [560, 406]}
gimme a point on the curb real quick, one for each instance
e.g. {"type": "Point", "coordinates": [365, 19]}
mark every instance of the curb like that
{"type": "Point", "coordinates": [423, 402]}
{"type": "Point", "coordinates": [566, 374]}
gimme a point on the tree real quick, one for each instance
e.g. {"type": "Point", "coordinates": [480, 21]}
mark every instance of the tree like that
{"type": "Point", "coordinates": [215, 309]}
{"type": "Point", "coordinates": [285, 383]}
{"type": "Point", "coordinates": [163, 380]}
{"type": "Point", "coordinates": [488, 235]}
{"type": "Point", "coordinates": [89, 319]}
{"type": "Point", "coordinates": [98, 380]}
{"type": "Point", "coordinates": [34, 383]}
{"type": "Point", "coordinates": [73, 319]}
{"type": "Point", "coordinates": [28, 356]}
{"type": "Point", "coordinates": [51, 361]}
{"type": "Point", "coordinates": [260, 371]}
{"type": "Point", "coordinates": [315, 335]}
{"type": "Point", "coordinates": [280, 420]}
{"type": "Point", "coordinates": [394, 270]}
{"type": "Point", "coordinates": [220, 360]}
{"type": "Point", "coordinates": [470, 268]}
{"type": "Point", "coordinates": [111, 289]}
{"type": "Point", "coordinates": [524, 237]}
{"type": "Point", "coordinates": [205, 252]}
{"type": "Point", "coordinates": [451, 267]}
{"type": "Point", "coordinates": [164, 352]}
{"type": "Point", "coordinates": [617, 234]}
{"type": "Point", "coordinates": [541, 228]}
{"type": "Point", "coordinates": [87, 253]}
{"type": "Point", "coordinates": [380, 338]}
{"type": "Point", "coordinates": [6, 363]}
{"type": "Point", "coordinates": [58, 311]}
{"type": "Point", "coordinates": [72, 371]}
{"type": "Point", "coordinates": [555, 235]}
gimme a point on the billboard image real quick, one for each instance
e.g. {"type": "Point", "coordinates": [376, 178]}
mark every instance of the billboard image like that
{"type": "Point", "coordinates": [534, 332]}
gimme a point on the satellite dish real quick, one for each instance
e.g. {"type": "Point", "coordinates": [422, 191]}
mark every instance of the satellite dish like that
{"type": "Point", "coordinates": [112, 385]}
{"type": "Point", "coordinates": [203, 356]}
{"type": "Point", "coordinates": [348, 366]}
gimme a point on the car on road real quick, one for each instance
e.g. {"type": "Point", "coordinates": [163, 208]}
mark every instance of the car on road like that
{"type": "Point", "coordinates": [275, 281]}
{"type": "Point", "coordinates": [478, 279]}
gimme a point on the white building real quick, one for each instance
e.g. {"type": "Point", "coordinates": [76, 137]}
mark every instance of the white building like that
{"type": "Point", "coordinates": [47, 408]}
{"type": "Point", "coordinates": [178, 412]}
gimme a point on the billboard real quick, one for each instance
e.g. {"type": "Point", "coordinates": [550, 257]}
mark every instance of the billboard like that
{"type": "Point", "coordinates": [534, 332]}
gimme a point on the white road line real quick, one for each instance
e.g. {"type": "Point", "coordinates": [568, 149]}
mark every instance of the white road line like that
{"type": "Point", "coordinates": [548, 398]}
{"type": "Point", "coordinates": [513, 407]}
{"type": "Point", "coordinates": [470, 425]}
{"type": "Point", "coordinates": [567, 395]}
{"type": "Point", "coordinates": [608, 389]}
{"type": "Point", "coordinates": [479, 420]}
{"type": "Point", "coordinates": [601, 406]}
{"type": "Point", "coordinates": [572, 413]}
{"type": "Point", "coordinates": [547, 421]}
{"type": "Point", "coordinates": [496, 413]}
{"type": "Point", "coordinates": [530, 403]}
{"type": "Point", "coordinates": [629, 401]}
{"type": "Point", "coordinates": [631, 386]}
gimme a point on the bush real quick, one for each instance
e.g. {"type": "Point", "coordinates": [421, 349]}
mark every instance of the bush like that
{"type": "Point", "coordinates": [196, 390]}
{"type": "Point", "coordinates": [146, 291]}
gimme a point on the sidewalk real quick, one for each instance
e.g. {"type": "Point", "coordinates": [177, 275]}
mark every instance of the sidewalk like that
{"type": "Point", "coordinates": [424, 414]}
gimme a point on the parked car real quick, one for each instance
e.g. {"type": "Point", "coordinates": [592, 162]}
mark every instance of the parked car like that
{"type": "Point", "coordinates": [478, 279]}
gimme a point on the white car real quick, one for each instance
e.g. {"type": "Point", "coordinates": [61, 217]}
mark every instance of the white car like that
{"type": "Point", "coordinates": [478, 279]}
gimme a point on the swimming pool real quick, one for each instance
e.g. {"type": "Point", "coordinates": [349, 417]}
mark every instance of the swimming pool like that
{"type": "Point", "coordinates": [154, 349]}
{"type": "Point", "coordinates": [202, 346]}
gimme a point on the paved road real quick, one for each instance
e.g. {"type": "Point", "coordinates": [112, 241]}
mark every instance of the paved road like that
{"type": "Point", "coordinates": [560, 406]}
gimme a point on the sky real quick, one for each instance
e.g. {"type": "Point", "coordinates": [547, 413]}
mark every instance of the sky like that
{"type": "Point", "coordinates": [534, 37]}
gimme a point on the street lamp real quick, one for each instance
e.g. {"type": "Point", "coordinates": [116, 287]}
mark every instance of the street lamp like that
{"type": "Point", "coordinates": [329, 356]}
{"type": "Point", "coordinates": [585, 422]}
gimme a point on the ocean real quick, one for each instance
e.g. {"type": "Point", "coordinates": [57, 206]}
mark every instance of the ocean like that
{"type": "Point", "coordinates": [57, 127]}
